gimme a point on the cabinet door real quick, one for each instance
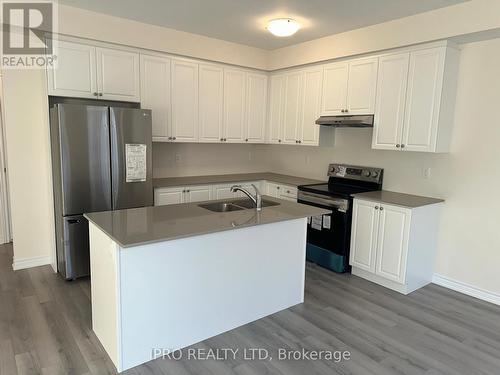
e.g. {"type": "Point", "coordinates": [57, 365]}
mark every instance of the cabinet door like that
{"type": "Point", "coordinates": [311, 107]}
{"type": "Point", "coordinates": [166, 196]}
{"type": "Point", "coordinates": [390, 106]}
{"type": "Point", "coordinates": [393, 235]}
{"type": "Point", "coordinates": [75, 75]}
{"type": "Point", "coordinates": [118, 75]}
{"type": "Point", "coordinates": [361, 86]}
{"type": "Point", "coordinates": [234, 105]}
{"type": "Point", "coordinates": [256, 109]}
{"type": "Point", "coordinates": [276, 107]}
{"type": "Point", "coordinates": [155, 93]}
{"type": "Point", "coordinates": [334, 98]}
{"type": "Point", "coordinates": [210, 103]}
{"type": "Point", "coordinates": [223, 192]}
{"type": "Point", "coordinates": [272, 189]}
{"type": "Point", "coordinates": [425, 82]}
{"type": "Point", "coordinates": [184, 101]}
{"type": "Point", "coordinates": [198, 194]}
{"type": "Point", "coordinates": [292, 109]}
{"type": "Point", "coordinates": [364, 235]}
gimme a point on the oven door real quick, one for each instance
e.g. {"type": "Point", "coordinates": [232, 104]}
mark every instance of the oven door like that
{"type": "Point", "coordinates": [330, 232]}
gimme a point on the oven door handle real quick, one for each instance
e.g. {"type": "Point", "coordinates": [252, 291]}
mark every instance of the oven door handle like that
{"type": "Point", "coordinates": [340, 204]}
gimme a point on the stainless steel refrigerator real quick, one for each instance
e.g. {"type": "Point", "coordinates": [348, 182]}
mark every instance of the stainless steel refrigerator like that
{"type": "Point", "coordinates": [101, 161]}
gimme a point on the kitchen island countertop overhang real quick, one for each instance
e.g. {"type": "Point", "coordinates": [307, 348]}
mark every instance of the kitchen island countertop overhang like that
{"type": "Point", "coordinates": [171, 276]}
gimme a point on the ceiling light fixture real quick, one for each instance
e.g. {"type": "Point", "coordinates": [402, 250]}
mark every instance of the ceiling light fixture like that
{"type": "Point", "coordinates": [283, 27]}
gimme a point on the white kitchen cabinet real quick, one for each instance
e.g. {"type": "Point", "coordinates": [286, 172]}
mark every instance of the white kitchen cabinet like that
{"type": "Point", "coordinates": [350, 87]}
{"type": "Point", "coordinates": [85, 71]}
{"type": "Point", "coordinates": [256, 107]}
{"type": "Point", "coordinates": [393, 245]}
{"type": "Point", "coordinates": [118, 75]}
{"type": "Point", "coordinates": [292, 107]}
{"type": "Point", "coordinates": [415, 100]}
{"type": "Point", "coordinates": [186, 194]}
{"type": "Point", "coordinates": [164, 196]}
{"type": "Point", "coordinates": [364, 235]}
{"type": "Point", "coordinates": [308, 131]}
{"type": "Point", "coordinates": [276, 107]}
{"type": "Point", "coordinates": [211, 100]}
{"type": "Point", "coordinates": [197, 193]}
{"type": "Point", "coordinates": [334, 99]}
{"type": "Point", "coordinates": [272, 189]}
{"type": "Point", "coordinates": [223, 192]}
{"type": "Point", "coordinates": [184, 100]}
{"type": "Point", "coordinates": [155, 94]}
{"type": "Point", "coordinates": [75, 74]}
{"type": "Point", "coordinates": [391, 96]}
{"type": "Point", "coordinates": [234, 106]}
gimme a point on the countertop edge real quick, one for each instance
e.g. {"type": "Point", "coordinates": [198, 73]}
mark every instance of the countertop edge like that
{"type": "Point", "coordinates": [424, 201]}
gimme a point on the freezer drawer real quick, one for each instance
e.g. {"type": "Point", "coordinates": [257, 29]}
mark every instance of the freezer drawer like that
{"type": "Point", "coordinates": [76, 247]}
{"type": "Point", "coordinates": [130, 127]}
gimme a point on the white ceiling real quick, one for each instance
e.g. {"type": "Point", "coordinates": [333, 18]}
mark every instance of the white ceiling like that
{"type": "Point", "coordinates": [243, 21]}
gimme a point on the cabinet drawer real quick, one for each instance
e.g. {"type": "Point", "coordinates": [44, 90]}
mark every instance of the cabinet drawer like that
{"type": "Point", "coordinates": [288, 192]}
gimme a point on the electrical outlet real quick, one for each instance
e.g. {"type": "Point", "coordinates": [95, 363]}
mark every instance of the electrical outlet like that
{"type": "Point", "coordinates": [426, 173]}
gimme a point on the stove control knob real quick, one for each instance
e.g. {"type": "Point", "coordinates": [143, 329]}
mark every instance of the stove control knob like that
{"type": "Point", "coordinates": [367, 173]}
{"type": "Point", "coordinates": [374, 174]}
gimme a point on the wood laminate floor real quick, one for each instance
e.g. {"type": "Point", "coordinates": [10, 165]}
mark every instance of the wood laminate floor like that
{"type": "Point", "coordinates": [45, 328]}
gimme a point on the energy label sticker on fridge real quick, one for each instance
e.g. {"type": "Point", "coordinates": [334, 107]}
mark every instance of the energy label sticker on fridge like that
{"type": "Point", "coordinates": [316, 222]}
{"type": "Point", "coordinates": [135, 157]}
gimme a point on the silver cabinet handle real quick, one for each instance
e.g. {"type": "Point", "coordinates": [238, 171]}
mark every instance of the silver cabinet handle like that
{"type": "Point", "coordinates": [100, 94]}
{"type": "Point", "coordinates": [398, 145]}
{"type": "Point", "coordinates": [279, 140]}
{"type": "Point", "coordinates": [381, 208]}
{"type": "Point", "coordinates": [246, 140]}
{"type": "Point", "coordinates": [96, 94]}
{"type": "Point", "coordinates": [300, 141]}
{"type": "Point", "coordinates": [376, 207]}
{"type": "Point", "coordinates": [174, 138]}
{"type": "Point", "coordinates": [402, 146]}
{"type": "Point", "coordinates": [225, 139]}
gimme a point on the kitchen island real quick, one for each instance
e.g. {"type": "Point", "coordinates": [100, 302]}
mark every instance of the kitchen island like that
{"type": "Point", "coordinates": [167, 277]}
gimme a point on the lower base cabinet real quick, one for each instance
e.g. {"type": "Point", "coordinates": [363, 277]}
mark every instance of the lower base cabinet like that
{"type": "Point", "coordinates": [394, 246]}
{"type": "Point", "coordinates": [178, 195]}
{"type": "Point", "coordinates": [198, 193]}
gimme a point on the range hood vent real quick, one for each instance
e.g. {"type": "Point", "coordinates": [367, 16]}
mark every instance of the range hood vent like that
{"type": "Point", "coordinates": [365, 121]}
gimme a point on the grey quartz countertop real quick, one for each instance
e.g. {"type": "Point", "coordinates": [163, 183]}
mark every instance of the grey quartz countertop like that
{"type": "Point", "coordinates": [398, 199]}
{"type": "Point", "coordinates": [228, 178]}
{"type": "Point", "coordinates": [141, 226]}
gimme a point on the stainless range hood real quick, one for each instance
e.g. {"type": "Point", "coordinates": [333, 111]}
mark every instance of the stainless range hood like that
{"type": "Point", "coordinates": [360, 121]}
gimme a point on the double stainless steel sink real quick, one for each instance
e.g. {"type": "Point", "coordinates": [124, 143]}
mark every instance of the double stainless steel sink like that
{"type": "Point", "coordinates": [235, 205]}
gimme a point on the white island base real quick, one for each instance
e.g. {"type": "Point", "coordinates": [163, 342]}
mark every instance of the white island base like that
{"type": "Point", "coordinates": [172, 294]}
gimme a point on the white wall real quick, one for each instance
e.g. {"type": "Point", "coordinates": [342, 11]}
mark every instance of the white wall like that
{"type": "Point", "coordinates": [28, 156]}
{"type": "Point", "coordinates": [468, 177]}
{"type": "Point", "coordinates": [187, 159]}
{"type": "Point", "coordinates": [470, 17]}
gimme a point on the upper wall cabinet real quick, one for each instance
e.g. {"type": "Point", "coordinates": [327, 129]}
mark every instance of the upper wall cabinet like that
{"type": "Point", "coordinates": [85, 71]}
{"type": "Point", "coordinates": [295, 105]}
{"type": "Point", "coordinates": [415, 100]}
{"type": "Point", "coordinates": [234, 105]}
{"type": "Point", "coordinates": [256, 108]}
{"type": "Point", "coordinates": [210, 102]}
{"type": "Point", "coordinates": [184, 101]}
{"type": "Point", "coordinates": [155, 94]}
{"type": "Point", "coordinates": [349, 87]}
{"type": "Point", "coordinates": [76, 72]}
{"type": "Point", "coordinates": [118, 75]}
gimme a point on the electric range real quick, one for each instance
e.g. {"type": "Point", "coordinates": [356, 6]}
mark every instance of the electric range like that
{"type": "Point", "coordinates": [329, 236]}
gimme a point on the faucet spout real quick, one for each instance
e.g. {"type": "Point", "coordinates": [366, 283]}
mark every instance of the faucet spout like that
{"type": "Point", "coordinates": [257, 199]}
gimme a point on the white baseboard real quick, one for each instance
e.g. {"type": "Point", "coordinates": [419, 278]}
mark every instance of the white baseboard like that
{"type": "Point", "coordinates": [20, 264]}
{"type": "Point", "coordinates": [468, 289]}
